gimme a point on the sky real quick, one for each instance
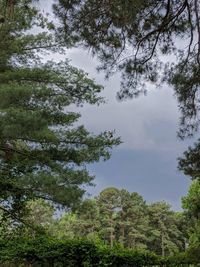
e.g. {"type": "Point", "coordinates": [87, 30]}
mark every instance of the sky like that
{"type": "Point", "coordinates": [146, 161]}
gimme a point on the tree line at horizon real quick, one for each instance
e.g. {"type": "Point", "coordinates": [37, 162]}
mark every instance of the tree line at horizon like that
{"type": "Point", "coordinates": [116, 218]}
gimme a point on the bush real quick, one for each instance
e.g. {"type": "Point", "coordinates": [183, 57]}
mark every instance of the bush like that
{"type": "Point", "coordinates": [43, 252]}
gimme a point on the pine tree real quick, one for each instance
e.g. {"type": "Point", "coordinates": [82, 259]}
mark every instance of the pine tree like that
{"type": "Point", "coordinates": [165, 233]}
{"type": "Point", "coordinates": [89, 220]}
{"type": "Point", "coordinates": [42, 153]}
{"type": "Point", "coordinates": [109, 202]}
{"type": "Point", "coordinates": [139, 222]}
{"type": "Point", "coordinates": [132, 220]}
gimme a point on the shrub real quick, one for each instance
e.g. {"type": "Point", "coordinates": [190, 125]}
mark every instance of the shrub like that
{"type": "Point", "coordinates": [44, 252]}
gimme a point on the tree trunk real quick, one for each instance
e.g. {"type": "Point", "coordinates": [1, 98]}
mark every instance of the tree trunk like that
{"type": "Point", "coordinates": [111, 232]}
{"type": "Point", "coordinates": [122, 228]}
{"type": "Point", "coordinates": [10, 8]}
{"type": "Point", "coordinates": [122, 234]}
{"type": "Point", "coordinates": [162, 244]}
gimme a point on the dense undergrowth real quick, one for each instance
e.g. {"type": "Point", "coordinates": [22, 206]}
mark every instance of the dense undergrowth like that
{"type": "Point", "coordinates": [45, 251]}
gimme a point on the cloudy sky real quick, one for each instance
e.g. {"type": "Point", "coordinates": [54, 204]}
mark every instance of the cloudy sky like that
{"type": "Point", "coordinates": [146, 162]}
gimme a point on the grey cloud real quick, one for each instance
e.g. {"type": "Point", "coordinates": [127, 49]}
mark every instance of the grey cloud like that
{"type": "Point", "coordinates": [146, 161]}
{"type": "Point", "coordinates": [147, 122]}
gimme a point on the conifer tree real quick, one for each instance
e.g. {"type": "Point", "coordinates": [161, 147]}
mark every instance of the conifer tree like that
{"type": "Point", "coordinates": [118, 218]}
{"type": "Point", "coordinates": [42, 153]}
{"type": "Point", "coordinates": [138, 222]}
{"type": "Point", "coordinates": [109, 202]}
{"type": "Point", "coordinates": [164, 233]}
{"type": "Point", "coordinates": [191, 206]}
{"type": "Point", "coordinates": [132, 220]}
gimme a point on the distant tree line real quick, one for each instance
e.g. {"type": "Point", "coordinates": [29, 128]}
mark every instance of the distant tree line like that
{"type": "Point", "coordinates": [117, 218]}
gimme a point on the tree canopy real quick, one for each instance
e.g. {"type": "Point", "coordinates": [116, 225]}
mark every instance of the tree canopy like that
{"type": "Point", "coordinates": [116, 218]}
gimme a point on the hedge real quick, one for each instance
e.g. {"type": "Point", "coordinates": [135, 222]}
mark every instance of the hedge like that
{"type": "Point", "coordinates": [44, 252]}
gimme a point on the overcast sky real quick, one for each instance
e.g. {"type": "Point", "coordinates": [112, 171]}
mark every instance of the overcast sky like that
{"type": "Point", "coordinates": [146, 162]}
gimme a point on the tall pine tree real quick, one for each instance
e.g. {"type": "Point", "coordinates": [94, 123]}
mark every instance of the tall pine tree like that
{"type": "Point", "coordinates": [42, 153]}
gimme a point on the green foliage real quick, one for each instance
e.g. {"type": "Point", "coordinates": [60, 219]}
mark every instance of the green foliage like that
{"type": "Point", "coordinates": [46, 252]}
{"type": "Point", "coordinates": [189, 163]}
{"type": "Point", "coordinates": [191, 207]}
{"type": "Point", "coordinates": [39, 212]}
{"type": "Point", "coordinates": [82, 238]}
{"type": "Point", "coordinates": [165, 236]}
{"type": "Point", "coordinates": [52, 252]}
{"type": "Point", "coordinates": [133, 221]}
{"type": "Point", "coordinates": [66, 227]}
{"type": "Point", "coordinates": [123, 220]}
{"type": "Point", "coordinates": [193, 253]}
{"type": "Point", "coordinates": [43, 150]}
{"type": "Point", "coordinates": [108, 202]}
{"type": "Point", "coordinates": [191, 202]}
